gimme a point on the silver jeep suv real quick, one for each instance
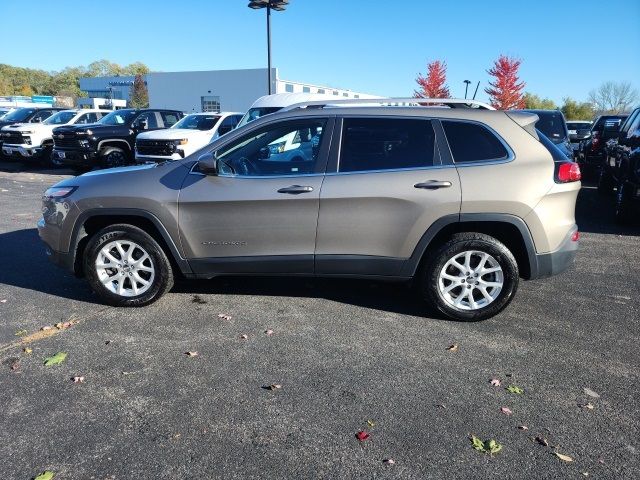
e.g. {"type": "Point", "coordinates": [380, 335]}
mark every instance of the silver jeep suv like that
{"type": "Point", "coordinates": [462, 199]}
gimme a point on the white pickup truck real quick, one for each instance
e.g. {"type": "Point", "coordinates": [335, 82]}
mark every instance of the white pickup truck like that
{"type": "Point", "coordinates": [191, 133]}
{"type": "Point", "coordinates": [35, 141]}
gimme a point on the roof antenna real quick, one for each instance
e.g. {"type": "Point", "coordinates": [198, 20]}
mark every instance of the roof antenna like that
{"type": "Point", "coordinates": [474, 93]}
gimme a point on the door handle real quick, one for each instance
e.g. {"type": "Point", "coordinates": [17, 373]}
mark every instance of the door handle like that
{"type": "Point", "coordinates": [433, 184]}
{"type": "Point", "coordinates": [296, 189]}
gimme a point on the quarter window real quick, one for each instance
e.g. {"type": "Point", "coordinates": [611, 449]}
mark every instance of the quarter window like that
{"type": "Point", "coordinates": [287, 148]}
{"type": "Point", "coordinates": [470, 142]}
{"type": "Point", "coordinates": [386, 144]}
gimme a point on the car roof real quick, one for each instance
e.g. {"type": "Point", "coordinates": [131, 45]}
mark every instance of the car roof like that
{"type": "Point", "coordinates": [285, 99]}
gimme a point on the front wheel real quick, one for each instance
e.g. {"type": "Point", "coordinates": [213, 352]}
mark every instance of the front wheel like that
{"type": "Point", "coordinates": [471, 277]}
{"type": "Point", "coordinates": [126, 267]}
{"type": "Point", "coordinates": [113, 157]}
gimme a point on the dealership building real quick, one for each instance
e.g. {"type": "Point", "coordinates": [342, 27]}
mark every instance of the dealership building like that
{"type": "Point", "coordinates": [206, 91]}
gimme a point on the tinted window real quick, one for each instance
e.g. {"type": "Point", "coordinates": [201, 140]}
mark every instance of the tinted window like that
{"type": "Point", "coordinates": [149, 118]}
{"type": "Point", "coordinates": [118, 117]}
{"type": "Point", "coordinates": [286, 148]}
{"type": "Point", "coordinates": [169, 118]}
{"type": "Point", "coordinates": [40, 116]}
{"type": "Point", "coordinates": [60, 118]}
{"type": "Point", "coordinates": [385, 144]}
{"type": "Point", "coordinates": [609, 121]}
{"type": "Point", "coordinates": [255, 113]}
{"type": "Point", "coordinates": [578, 126]}
{"type": "Point", "coordinates": [198, 122]}
{"type": "Point", "coordinates": [626, 126]}
{"type": "Point", "coordinates": [552, 125]}
{"type": "Point", "coordinates": [226, 126]}
{"type": "Point", "coordinates": [19, 115]}
{"type": "Point", "coordinates": [470, 142]}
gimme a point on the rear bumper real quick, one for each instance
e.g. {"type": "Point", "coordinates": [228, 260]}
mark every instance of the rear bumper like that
{"type": "Point", "coordinates": [559, 261]}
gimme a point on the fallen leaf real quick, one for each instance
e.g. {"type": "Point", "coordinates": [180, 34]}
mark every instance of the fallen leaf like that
{"type": "Point", "coordinates": [4, 300]}
{"type": "Point", "coordinates": [493, 447]}
{"type": "Point", "coordinates": [275, 386]}
{"type": "Point", "coordinates": [45, 328]}
{"type": "Point", "coordinates": [77, 379]}
{"type": "Point", "coordinates": [46, 475]}
{"type": "Point", "coordinates": [371, 423]}
{"type": "Point", "coordinates": [224, 316]}
{"type": "Point", "coordinates": [506, 410]}
{"type": "Point", "coordinates": [495, 382]}
{"type": "Point", "coordinates": [564, 458]}
{"type": "Point", "coordinates": [591, 393]}
{"type": "Point", "coordinates": [362, 436]}
{"type": "Point", "coordinates": [27, 350]}
{"type": "Point", "coordinates": [453, 348]}
{"type": "Point", "coordinates": [477, 443]}
{"type": "Point", "coordinates": [191, 354]}
{"type": "Point", "coordinates": [439, 405]}
{"type": "Point", "coordinates": [56, 359]}
{"type": "Point", "coordinates": [588, 406]}
{"type": "Point", "coordinates": [515, 389]}
{"type": "Point", "coordinates": [63, 325]}
{"type": "Point", "coordinates": [107, 342]}
{"type": "Point", "coordinates": [542, 441]}
{"type": "Point", "coordinates": [601, 461]}
{"type": "Point", "coordinates": [490, 446]}
{"type": "Point", "coordinates": [523, 427]}
{"type": "Point", "coordinates": [585, 474]}
{"type": "Point", "coordinates": [15, 364]}
{"type": "Point", "coordinates": [389, 461]}
{"type": "Point", "coordinates": [20, 333]}
{"type": "Point", "coordinates": [268, 332]}
{"type": "Point", "coordinates": [244, 336]}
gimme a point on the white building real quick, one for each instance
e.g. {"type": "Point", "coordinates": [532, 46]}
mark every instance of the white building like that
{"type": "Point", "coordinates": [213, 90]}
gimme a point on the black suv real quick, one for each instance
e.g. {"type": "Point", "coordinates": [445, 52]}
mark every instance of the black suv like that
{"type": "Point", "coordinates": [621, 167]}
{"type": "Point", "coordinates": [554, 126]}
{"type": "Point", "coordinates": [26, 115]}
{"type": "Point", "coordinates": [110, 142]}
{"type": "Point", "coordinates": [591, 150]}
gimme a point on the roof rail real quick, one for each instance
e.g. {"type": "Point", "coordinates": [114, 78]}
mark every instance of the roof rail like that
{"type": "Point", "coordinates": [393, 102]}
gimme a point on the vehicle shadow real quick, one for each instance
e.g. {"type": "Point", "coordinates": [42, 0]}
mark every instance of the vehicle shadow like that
{"type": "Point", "coordinates": [595, 213]}
{"type": "Point", "coordinates": [17, 166]}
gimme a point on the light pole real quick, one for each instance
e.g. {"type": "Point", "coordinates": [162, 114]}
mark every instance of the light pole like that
{"type": "Point", "coordinates": [278, 6]}
{"type": "Point", "coordinates": [466, 87]}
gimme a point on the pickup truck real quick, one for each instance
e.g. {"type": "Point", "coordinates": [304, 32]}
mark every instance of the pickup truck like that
{"type": "Point", "coordinates": [34, 141]}
{"type": "Point", "coordinates": [25, 115]}
{"type": "Point", "coordinates": [110, 142]}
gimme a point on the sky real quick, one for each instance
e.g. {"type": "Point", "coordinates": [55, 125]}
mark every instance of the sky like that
{"type": "Point", "coordinates": [373, 46]}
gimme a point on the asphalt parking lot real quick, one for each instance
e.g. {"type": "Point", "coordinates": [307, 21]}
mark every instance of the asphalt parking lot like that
{"type": "Point", "coordinates": [350, 356]}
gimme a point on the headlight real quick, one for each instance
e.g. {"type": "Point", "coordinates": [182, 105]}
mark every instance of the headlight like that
{"type": "Point", "coordinates": [57, 193]}
{"type": "Point", "coordinates": [182, 141]}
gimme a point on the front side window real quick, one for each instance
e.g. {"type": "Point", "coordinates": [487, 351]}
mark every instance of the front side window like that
{"type": "Point", "coordinates": [386, 144]}
{"type": "Point", "coordinates": [169, 119]}
{"type": "Point", "coordinates": [60, 118]}
{"type": "Point", "coordinates": [147, 121]}
{"type": "Point", "coordinates": [118, 117]}
{"type": "Point", "coordinates": [19, 115]}
{"type": "Point", "coordinates": [286, 148]}
{"type": "Point", "coordinates": [41, 116]}
{"type": "Point", "coordinates": [197, 122]}
{"type": "Point", "coordinates": [471, 142]}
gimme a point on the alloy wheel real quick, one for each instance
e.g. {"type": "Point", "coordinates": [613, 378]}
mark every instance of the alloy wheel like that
{"type": "Point", "coordinates": [125, 268]}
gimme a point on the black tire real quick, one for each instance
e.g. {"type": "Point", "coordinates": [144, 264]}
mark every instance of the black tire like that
{"type": "Point", "coordinates": [161, 282]}
{"type": "Point", "coordinates": [460, 243]}
{"type": "Point", "coordinates": [112, 157]}
{"type": "Point", "coordinates": [605, 182]}
{"type": "Point", "coordinates": [46, 157]}
{"type": "Point", "coordinates": [623, 208]}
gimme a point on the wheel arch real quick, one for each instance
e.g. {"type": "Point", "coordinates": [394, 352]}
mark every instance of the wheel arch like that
{"type": "Point", "coordinates": [92, 221]}
{"type": "Point", "coordinates": [508, 229]}
{"type": "Point", "coordinates": [114, 143]}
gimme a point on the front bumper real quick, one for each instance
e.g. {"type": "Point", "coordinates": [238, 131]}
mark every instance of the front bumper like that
{"type": "Point", "coordinates": [559, 261]}
{"type": "Point", "coordinates": [77, 158]}
{"type": "Point", "coordinates": [22, 151]}
{"type": "Point", "coordinates": [61, 259]}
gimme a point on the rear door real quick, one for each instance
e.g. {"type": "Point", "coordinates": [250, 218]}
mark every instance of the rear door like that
{"type": "Point", "coordinates": [387, 184]}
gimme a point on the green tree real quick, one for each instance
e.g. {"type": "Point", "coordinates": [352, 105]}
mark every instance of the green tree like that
{"type": "Point", "coordinates": [136, 68]}
{"type": "Point", "coordinates": [574, 110]}
{"type": "Point", "coordinates": [534, 102]}
{"type": "Point", "coordinates": [139, 97]}
{"type": "Point", "coordinates": [25, 90]}
{"type": "Point", "coordinates": [6, 88]}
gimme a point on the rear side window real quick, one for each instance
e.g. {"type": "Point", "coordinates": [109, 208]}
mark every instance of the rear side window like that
{"type": "Point", "coordinates": [386, 144]}
{"type": "Point", "coordinates": [470, 142]}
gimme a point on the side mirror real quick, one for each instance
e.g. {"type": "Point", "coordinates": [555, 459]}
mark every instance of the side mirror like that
{"type": "Point", "coordinates": [208, 164]}
{"type": "Point", "coordinates": [140, 125]}
{"type": "Point", "coordinates": [264, 153]}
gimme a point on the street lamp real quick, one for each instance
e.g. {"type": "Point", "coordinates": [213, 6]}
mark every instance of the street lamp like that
{"type": "Point", "coordinates": [278, 6]}
{"type": "Point", "coordinates": [466, 87]}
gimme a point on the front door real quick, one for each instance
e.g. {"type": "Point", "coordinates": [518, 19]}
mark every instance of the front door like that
{"type": "Point", "coordinates": [389, 185]}
{"type": "Point", "coordinates": [260, 213]}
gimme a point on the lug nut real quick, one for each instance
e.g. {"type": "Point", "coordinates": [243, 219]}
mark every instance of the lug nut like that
{"type": "Point", "coordinates": [477, 283]}
{"type": "Point", "coordinates": [476, 275]}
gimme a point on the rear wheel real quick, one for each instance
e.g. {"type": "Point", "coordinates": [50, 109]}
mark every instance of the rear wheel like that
{"type": "Point", "coordinates": [471, 277]}
{"type": "Point", "coordinates": [126, 267]}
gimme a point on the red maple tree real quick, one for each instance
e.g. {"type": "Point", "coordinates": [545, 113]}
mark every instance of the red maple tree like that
{"type": "Point", "coordinates": [433, 85]}
{"type": "Point", "coordinates": [505, 92]}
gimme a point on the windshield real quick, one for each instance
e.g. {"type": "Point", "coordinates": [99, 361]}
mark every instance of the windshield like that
{"type": "Point", "coordinates": [198, 122]}
{"type": "Point", "coordinates": [60, 118]}
{"type": "Point", "coordinates": [578, 126]}
{"type": "Point", "coordinates": [256, 113]}
{"type": "Point", "coordinates": [118, 117]}
{"type": "Point", "coordinates": [19, 115]}
{"type": "Point", "coordinates": [552, 125]}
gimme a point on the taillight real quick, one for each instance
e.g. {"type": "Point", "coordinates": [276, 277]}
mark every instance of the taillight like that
{"type": "Point", "coordinates": [567, 172]}
{"type": "Point", "coordinates": [575, 236]}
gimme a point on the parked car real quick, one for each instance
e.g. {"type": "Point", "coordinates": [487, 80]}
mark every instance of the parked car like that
{"type": "Point", "coordinates": [110, 142]}
{"type": "Point", "coordinates": [621, 168]}
{"type": "Point", "coordinates": [464, 201]}
{"type": "Point", "coordinates": [553, 125]}
{"type": "Point", "coordinates": [591, 150]}
{"type": "Point", "coordinates": [191, 133]}
{"type": "Point", "coordinates": [579, 130]}
{"type": "Point", "coordinates": [35, 142]}
{"type": "Point", "coordinates": [26, 115]}
{"type": "Point", "coordinates": [274, 103]}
